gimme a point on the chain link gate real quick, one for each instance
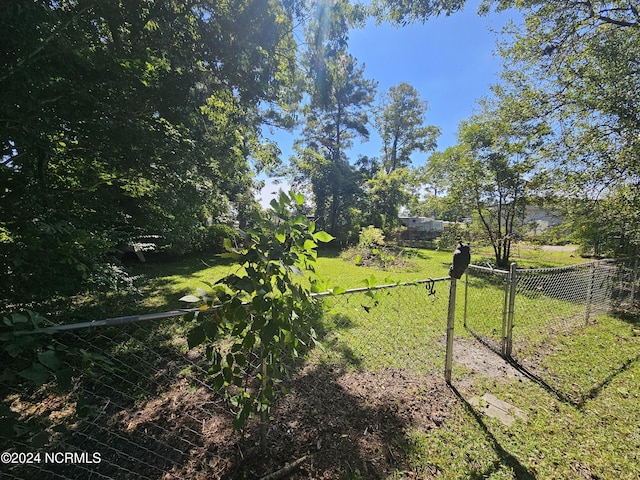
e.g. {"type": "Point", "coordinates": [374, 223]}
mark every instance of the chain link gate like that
{"type": "Point", "coordinates": [486, 300]}
{"type": "Point", "coordinates": [528, 315]}
{"type": "Point", "coordinates": [550, 302]}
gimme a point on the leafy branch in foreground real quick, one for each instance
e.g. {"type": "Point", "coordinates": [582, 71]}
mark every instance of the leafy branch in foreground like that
{"type": "Point", "coordinates": [33, 360]}
{"type": "Point", "coordinates": [265, 313]}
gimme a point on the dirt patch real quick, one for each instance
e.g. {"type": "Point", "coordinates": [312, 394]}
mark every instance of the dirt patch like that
{"type": "Point", "coordinates": [342, 422]}
{"type": "Point", "coordinates": [482, 361]}
{"type": "Point", "coordinates": [559, 248]}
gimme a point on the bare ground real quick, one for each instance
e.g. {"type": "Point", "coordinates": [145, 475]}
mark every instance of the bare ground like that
{"type": "Point", "coordinates": [338, 422]}
{"type": "Point", "coordinates": [335, 422]}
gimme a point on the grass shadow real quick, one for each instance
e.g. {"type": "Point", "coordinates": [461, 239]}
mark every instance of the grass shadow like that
{"type": "Point", "coordinates": [629, 315]}
{"type": "Point", "coordinates": [578, 401]}
{"type": "Point", "coordinates": [563, 397]}
{"type": "Point", "coordinates": [578, 365]}
{"type": "Point", "coordinates": [505, 458]}
{"type": "Point", "coordinates": [595, 391]}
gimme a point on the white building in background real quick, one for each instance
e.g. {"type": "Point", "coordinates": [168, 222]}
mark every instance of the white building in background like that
{"type": "Point", "coordinates": [421, 228]}
{"type": "Point", "coordinates": [539, 219]}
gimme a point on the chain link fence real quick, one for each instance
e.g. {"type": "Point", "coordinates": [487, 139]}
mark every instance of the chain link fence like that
{"type": "Point", "coordinates": [529, 315]}
{"type": "Point", "coordinates": [142, 400]}
{"type": "Point", "coordinates": [486, 297]}
{"type": "Point", "coordinates": [558, 300]}
{"type": "Point", "coordinates": [143, 404]}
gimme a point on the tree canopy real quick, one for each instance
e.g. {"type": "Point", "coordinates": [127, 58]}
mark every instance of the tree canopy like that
{"type": "Point", "coordinates": [143, 118]}
{"type": "Point", "coordinates": [400, 122]}
{"type": "Point", "coordinates": [575, 65]}
{"type": "Point", "coordinates": [125, 118]}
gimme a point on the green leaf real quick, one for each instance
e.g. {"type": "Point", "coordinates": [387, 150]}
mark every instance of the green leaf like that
{"type": "Point", "coordinates": [13, 350]}
{"type": "Point", "coordinates": [358, 259]}
{"type": "Point", "coordinates": [309, 245]}
{"type": "Point", "coordinates": [210, 329]}
{"type": "Point", "coordinates": [217, 382]}
{"type": "Point", "coordinates": [284, 199]}
{"type": "Point", "coordinates": [190, 299]}
{"type": "Point", "coordinates": [64, 378]}
{"type": "Point", "coordinates": [249, 341]}
{"type": "Point", "coordinates": [299, 198]}
{"type": "Point", "coordinates": [83, 409]}
{"type": "Point", "coordinates": [49, 359]}
{"type": "Point", "coordinates": [322, 236]}
{"type": "Point", "coordinates": [36, 373]}
{"type": "Point", "coordinates": [196, 337]}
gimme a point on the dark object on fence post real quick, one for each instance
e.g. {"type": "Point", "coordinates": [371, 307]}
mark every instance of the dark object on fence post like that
{"type": "Point", "coordinates": [461, 260]}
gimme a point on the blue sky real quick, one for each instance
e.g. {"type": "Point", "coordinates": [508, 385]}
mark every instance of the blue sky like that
{"type": "Point", "coordinates": [449, 60]}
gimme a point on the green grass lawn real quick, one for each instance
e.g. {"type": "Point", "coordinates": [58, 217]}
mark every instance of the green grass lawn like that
{"type": "Point", "coordinates": [163, 283]}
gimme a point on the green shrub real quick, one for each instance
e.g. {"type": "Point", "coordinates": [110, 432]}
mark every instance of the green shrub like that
{"type": "Point", "coordinates": [371, 237]}
{"type": "Point", "coordinates": [274, 322]}
{"type": "Point", "coordinates": [215, 235]}
{"type": "Point", "coordinates": [371, 251]}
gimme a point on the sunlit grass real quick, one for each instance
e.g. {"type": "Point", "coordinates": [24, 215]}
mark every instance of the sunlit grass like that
{"type": "Point", "coordinates": [165, 282]}
{"type": "Point", "coordinates": [528, 256]}
{"type": "Point", "coordinates": [400, 327]}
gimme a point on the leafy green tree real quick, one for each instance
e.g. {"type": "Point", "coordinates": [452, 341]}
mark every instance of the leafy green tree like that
{"type": "Point", "coordinates": [384, 194]}
{"type": "Point", "coordinates": [491, 172]}
{"type": "Point", "coordinates": [123, 118]}
{"type": "Point", "coordinates": [400, 124]}
{"type": "Point", "coordinates": [335, 116]}
{"type": "Point", "coordinates": [407, 11]}
{"type": "Point", "coordinates": [265, 315]}
{"type": "Point", "coordinates": [576, 65]}
{"type": "Point", "coordinates": [429, 197]}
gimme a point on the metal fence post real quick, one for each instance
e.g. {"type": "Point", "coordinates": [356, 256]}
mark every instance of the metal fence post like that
{"type": "Point", "coordinates": [466, 296]}
{"type": "Point", "coordinates": [505, 317]}
{"type": "Point", "coordinates": [634, 280]}
{"type": "Point", "coordinates": [513, 283]}
{"type": "Point", "coordinates": [589, 292]}
{"type": "Point", "coordinates": [450, 323]}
